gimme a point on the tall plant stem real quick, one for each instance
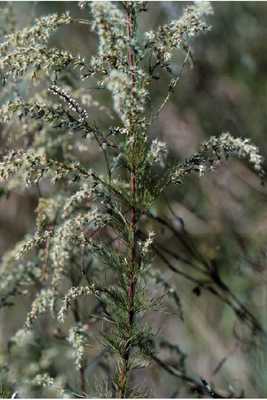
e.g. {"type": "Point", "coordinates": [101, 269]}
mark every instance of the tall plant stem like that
{"type": "Point", "coordinates": [133, 258]}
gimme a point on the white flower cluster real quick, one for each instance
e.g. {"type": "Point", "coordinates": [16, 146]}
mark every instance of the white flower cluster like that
{"type": "Point", "coordinates": [11, 164]}
{"type": "Point", "coordinates": [129, 101]}
{"type": "Point", "coordinates": [46, 381]}
{"type": "Point", "coordinates": [46, 211]}
{"type": "Point", "coordinates": [33, 165]}
{"type": "Point", "coordinates": [17, 161]}
{"type": "Point", "coordinates": [35, 109]}
{"type": "Point", "coordinates": [40, 60]}
{"type": "Point", "coordinates": [30, 166]}
{"type": "Point", "coordinates": [110, 24]}
{"type": "Point", "coordinates": [36, 240]}
{"type": "Point", "coordinates": [72, 104]}
{"type": "Point", "coordinates": [217, 149]}
{"type": "Point", "coordinates": [178, 32]}
{"type": "Point", "coordinates": [158, 152]}
{"type": "Point", "coordinates": [20, 248]}
{"type": "Point", "coordinates": [119, 84]}
{"type": "Point", "coordinates": [77, 338]}
{"type": "Point", "coordinates": [8, 110]}
{"type": "Point", "coordinates": [146, 245]}
{"type": "Point", "coordinates": [67, 238]}
{"type": "Point", "coordinates": [43, 380]}
{"type": "Point", "coordinates": [73, 294]}
{"type": "Point", "coordinates": [79, 197]}
{"type": "Point", "coordinates": [18, 279]}
{"type": "Point", "coordinates": [242, 148]}
{"type": "Point", "coordinates": [17, 276]}
{"type": "Point", "coordinates": [128, 85]}
{"type": "Point", "coordinates": [70, 239]}
{"type": "Point", "coordinates": [28, 49]}
{"type": "Point", "coordinates": [39, 32]}
{"type": "Point", "coordinates": [42, 303]}
{"type": "Point", "coordinates": [226, 146]}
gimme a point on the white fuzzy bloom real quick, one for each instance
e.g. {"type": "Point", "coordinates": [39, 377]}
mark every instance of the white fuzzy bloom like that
{"type": "Point", "coordinates": [42, 303]}
{"type": "Point", "coordinates": [148, 243]}
{"type": "Point", "coordinates": [77, 199]}
{"type": "Point", "coordinates": [72, 231]}
{"type": "Point", "coordinates": [119, 84]}
{"type": "Point", "coordinates": [159, 152]}
{"type": "Point", "coordinates": [73, 294]}
{"type": "Point", "coordinates": [110, 25]}
{"type": "Point", "coordinates": [40, 31]}
{"type": "Point", "coordinates": [150, 36]}
{"type": "Point", "coordinates": [221, 148]}
{"type": "Point", "coordinates": [129, 102]}
{"type": "Point", "coordinates": [175, 34]}
{"type": "Point", "coordinates": [44, 380]}
{"type": "Point", "coordinates": [77, 338]}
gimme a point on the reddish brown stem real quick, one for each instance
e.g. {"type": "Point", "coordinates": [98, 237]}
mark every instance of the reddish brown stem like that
{"type": "Point", "coordinates": [82, 380]}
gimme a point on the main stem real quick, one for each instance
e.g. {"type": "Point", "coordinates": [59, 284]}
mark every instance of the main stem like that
{"type": "Point", "coordinates": [133, 262]}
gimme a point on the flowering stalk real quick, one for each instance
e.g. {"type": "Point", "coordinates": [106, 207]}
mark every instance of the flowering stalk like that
{"type": "Point", "coordinates": [89, 240]}
{"type": "Point", "coordinates": [133, 262]}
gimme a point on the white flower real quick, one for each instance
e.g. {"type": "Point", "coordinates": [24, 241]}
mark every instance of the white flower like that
{"type": "Point", "coordinates": [150, 36]}
{"type": "Point", "coordinates": [72, 294]}
{"type": "Point", "coordinates": [159, 152]}
{"type": "Point", "coordinates": [77, 338]}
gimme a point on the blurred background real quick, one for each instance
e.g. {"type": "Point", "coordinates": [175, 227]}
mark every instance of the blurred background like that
{"type": "Point", "coordinates": [224, 212]}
